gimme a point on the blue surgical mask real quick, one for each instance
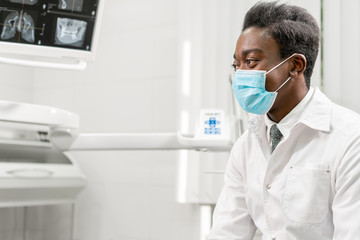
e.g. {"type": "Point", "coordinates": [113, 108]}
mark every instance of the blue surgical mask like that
{"type": "Point", "coordinates": [250, 92]}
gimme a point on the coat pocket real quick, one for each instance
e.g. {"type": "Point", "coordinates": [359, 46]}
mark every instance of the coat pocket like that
{"type": "Point", "coordinates": [307, 195]}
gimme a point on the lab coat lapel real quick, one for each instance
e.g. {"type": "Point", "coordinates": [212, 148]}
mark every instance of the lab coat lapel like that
{"type": "Point", "coordinates": [316, 117]}
{"type": "Point", "coordinates": [258, 128]}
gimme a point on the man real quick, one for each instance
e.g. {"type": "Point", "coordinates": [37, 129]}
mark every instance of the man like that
{"type": "Point", "coordinates": [295, 173]}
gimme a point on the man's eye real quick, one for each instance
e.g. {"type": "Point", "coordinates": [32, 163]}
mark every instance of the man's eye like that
{"type": "Point", "coordinates": [234, 66]}
{"type": "Point", "coordinates": [251, 62]}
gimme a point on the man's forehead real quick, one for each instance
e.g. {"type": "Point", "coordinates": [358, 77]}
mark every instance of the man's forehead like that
{"type": "Point", "coordinates": [254, 40]}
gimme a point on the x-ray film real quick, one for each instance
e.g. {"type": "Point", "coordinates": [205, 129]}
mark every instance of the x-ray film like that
{"type": "Point", "coordinates": [26, 2]}
{"type": "Point", "coordinates": [70, 32]}
{"type": "Point", "coordinates": [27, 28]}
{"type": "Point", "coordinates": [71, 5]}
{"type": "Point", "coordinates": [10, 25]}
{"type": "Point", "coordinates": [15, 23]}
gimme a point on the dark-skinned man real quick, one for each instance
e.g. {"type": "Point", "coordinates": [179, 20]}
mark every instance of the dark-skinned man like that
{"type": "Point", "coordinates": [295, 173]}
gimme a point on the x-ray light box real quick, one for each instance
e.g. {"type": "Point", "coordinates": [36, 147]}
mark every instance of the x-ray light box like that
{"type": "Point", "coordinates": [59, 29]}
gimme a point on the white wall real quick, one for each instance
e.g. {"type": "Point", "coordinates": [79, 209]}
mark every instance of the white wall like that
{"type": "Point", "coordinates": [130, 194]}
{"type": "Point", "coordinates": [341, 51]}
{"type": "Point", "coordinates": [16, 83]}
{"type": "Point", "coordinates": [133, 80]}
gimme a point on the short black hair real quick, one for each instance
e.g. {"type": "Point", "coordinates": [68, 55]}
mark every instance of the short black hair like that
{"type": "Point", "coordinates": [292, 27]}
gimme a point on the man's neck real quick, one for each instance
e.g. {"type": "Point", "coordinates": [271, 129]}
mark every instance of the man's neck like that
{"type": "Point", "coordinates": [277, 115]}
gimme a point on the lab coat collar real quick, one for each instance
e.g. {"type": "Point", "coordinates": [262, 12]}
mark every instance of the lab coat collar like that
{"type": "Point", "coordinates": [316, 115]}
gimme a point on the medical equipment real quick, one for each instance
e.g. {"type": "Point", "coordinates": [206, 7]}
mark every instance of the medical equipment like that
{"type": "Point", "coordinates": [59, 34]}
{"type": "Point", "coordinates": [212, 130]}
{"type": "Point", "coordinates": [35, 168]}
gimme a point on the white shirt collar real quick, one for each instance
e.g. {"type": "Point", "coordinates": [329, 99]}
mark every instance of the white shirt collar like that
{"type": "Point", "coordinates": [289, 121]}
{"type": "Point", "coordinates": [317, 115]}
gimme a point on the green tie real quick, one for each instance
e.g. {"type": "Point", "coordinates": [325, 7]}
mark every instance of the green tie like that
{"type": "Point", "coordinates": [275, 136]}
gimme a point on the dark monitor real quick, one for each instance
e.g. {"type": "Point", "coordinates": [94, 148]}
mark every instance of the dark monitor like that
{"type": "Point", "coordinates": [50, 28]}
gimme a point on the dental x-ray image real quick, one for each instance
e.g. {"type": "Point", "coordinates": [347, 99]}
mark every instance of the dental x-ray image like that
{"type": "Point", "coordinates": [10, 24]}
{"type": "Point", "coordinates": [70, 32]}
{"type": "Point", "coordinates": [27, 28]}
{"type": "Point", "coordinates": [26, 2]}
{"type": "Point", "coordinates": [64, 24]}
{"type": "Point", "coordinates": [15, 23]}
{"type": "Point", "coordinates": [72, 5]}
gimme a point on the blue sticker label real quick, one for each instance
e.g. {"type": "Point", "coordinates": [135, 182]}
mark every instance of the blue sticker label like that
{"type": "Point", "coordinates": [212, 129]}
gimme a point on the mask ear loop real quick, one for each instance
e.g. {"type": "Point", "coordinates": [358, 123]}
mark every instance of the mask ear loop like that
{"type": "Point", "coordinates": [276, 67]}
{"type": "Point", "coordinates": [283, 84]}
{"type": "Point", "coordinates": [280, 64]}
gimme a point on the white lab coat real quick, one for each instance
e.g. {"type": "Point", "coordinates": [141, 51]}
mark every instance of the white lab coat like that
{"type": "Point", "coordinates": [309, 189]}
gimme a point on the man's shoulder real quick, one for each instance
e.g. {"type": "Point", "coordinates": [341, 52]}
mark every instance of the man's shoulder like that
{"type": "Point", "coordinates": [345, 120]}
{"type": "Point", "coordinates": [241, 140]}
{"type": "Point", "coordinates": [340, 117]}
{"type": "Point", "coordinates": [344, 116]}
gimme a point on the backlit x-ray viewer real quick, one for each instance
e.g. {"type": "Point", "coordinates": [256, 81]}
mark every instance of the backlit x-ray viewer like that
{"type": "Point", "coordinates": [49, 28]}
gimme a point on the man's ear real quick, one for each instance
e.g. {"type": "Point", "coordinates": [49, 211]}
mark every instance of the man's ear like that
{"type": "Point", "coordinates": [299, 65]}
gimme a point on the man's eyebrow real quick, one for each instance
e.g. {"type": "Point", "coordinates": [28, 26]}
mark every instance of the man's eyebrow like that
{"type": "Point", "coordinates": [247, 51]}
